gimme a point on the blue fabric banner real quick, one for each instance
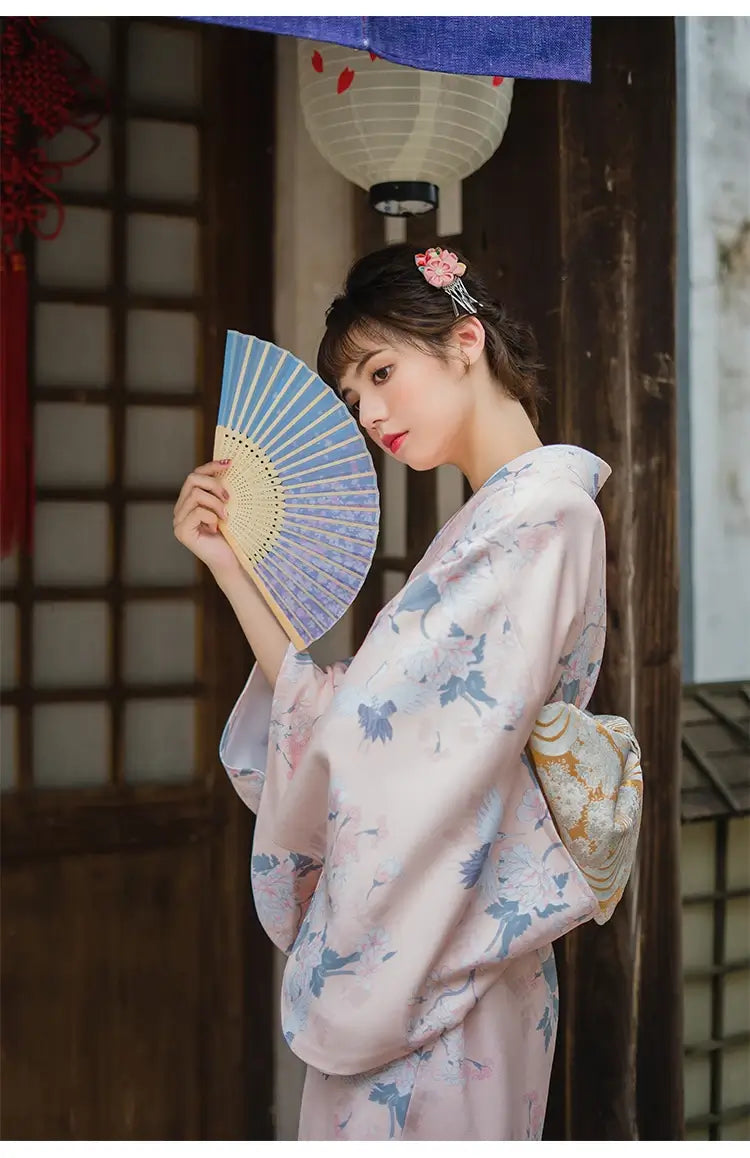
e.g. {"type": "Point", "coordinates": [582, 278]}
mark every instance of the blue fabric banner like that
{"type": "Point", "coordinates": [554, 47]}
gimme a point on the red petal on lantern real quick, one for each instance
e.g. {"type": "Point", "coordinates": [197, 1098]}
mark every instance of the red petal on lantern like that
{"type": "Point", "coordinates": [496, 80]}
{"type": "Point", "coordinates": [373, 56]}
{"type": "Point", "coordinates": [345, 79]}
{"type": "Point", "coordinates": [317, 61]}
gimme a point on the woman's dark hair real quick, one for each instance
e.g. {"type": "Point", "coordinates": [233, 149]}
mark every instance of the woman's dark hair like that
{"type": "Point", "coordinates": [386, 296]}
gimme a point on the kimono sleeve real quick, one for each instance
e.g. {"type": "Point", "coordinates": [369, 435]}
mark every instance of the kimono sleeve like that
{"type": "Point", "coordinates": [406, 933]}
{"type": "Point", "coordinates": [263, 745]}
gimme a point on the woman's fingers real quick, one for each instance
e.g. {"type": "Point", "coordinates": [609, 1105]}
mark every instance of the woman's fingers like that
{"type": "Point", "coordinates": [199, 482]}
{"type": "Point", "coordinates": [198, 498]}
{"type": "Point", "coordinates": [205, 471]}
{"type": "Point", "coordinates": [201, 478]}
{"type": "Point", "coordinates": [213, 467]}
{"type": "Point", "coordinates": [198, 519]}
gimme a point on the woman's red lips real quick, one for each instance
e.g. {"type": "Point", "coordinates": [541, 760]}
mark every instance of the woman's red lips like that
{"type": "Point", "coordinates": [393, 441]}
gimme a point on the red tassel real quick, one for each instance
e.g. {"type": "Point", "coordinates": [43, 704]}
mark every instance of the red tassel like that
{"type": "Point", "coordinates": [16, 470]}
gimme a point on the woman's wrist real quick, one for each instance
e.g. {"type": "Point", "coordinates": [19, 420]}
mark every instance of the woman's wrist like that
{"type": "Point", "coordinates": [236, 583]}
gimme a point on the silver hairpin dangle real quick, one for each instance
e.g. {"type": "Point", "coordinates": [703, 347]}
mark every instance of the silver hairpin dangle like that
{"type": "Point", "coordinates": [442, 269]}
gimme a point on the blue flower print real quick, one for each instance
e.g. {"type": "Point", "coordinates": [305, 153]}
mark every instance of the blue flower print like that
{"type": "Point", "coordinates": [471, 869]}
{"type": "Point", "coordinates": [388, 1094]}
{"type": "Point", "coordinates": [511, 924]}
{"type": "Point", "coordinates": [374, 719]}
{"type": "Point", "coordinates": [332, 964]}
{"type": "Point", "coordinates": [470, 686]}
{"type": "Point", "coordinates": [420, 595]}
{"type": "Point", "coordinates": [488, 821]}
{"type": "Point", "coordinates": [525, 887]}
{"type": "Point", "coordinates": [548, 1020]}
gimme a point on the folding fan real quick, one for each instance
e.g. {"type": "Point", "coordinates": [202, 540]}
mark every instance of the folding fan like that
{"type": "Point", "coordinates": [303, 509]}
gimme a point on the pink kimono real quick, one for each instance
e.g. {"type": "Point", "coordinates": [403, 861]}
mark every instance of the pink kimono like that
{"type": "Point", "coordinates": [404, 856]}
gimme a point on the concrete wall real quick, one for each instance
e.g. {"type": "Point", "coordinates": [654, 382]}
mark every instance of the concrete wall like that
{"type": "Point", "coordinates": [714, 325]}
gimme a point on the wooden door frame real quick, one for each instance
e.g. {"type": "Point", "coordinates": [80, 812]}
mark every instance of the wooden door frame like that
{"type": "Point", "coordinates": [239, 260]}
{"type": "Point", "coordinates": [236, 1046]}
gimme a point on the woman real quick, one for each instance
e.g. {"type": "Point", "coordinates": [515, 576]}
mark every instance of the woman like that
{"type": "Point", "coordinates": [404, 855]}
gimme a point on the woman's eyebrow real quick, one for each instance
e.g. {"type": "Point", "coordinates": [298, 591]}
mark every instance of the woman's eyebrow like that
{"type": "Point", "coordinates": [366, 358]}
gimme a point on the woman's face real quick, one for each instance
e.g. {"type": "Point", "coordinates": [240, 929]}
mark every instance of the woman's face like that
{"type": "Point", "coordinates": [413, 404]}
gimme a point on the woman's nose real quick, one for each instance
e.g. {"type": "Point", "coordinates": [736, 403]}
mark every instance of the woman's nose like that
{"type": "Point", "coordinates": [371, 410]}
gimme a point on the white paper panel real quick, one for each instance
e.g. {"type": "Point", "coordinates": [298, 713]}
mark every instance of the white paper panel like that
{"type": "Point", "coordinates": [697, 935]}
{"type": "Point", "coordinates": [165, 66]}
{"type": "Point", "coordinates": [9, 569]}
{"type": "Point", "coordinates": [88, 35]}
{"type": "Point", "coordinates": [738, 859]}
{"type": "Point", "coordinates": [8, 747]}
{"type": "Point", "coordinates": [697, 1011]}
{"type": "Point", "coordinates": [160, 740]}
{"type": "Point", "coordinates": [450, 492]}
{"type": "Point", "coordinates": [94, 175]}
{"type": "Point", "coordinates": [697, 1074]}
{"type": "Point", "coordinates": [71, 745]}
{"type": "Point", "coordinates": [738, 1131]}
{"type": "Point", "coordinates": [162, 351]}
{"type": "Point", "coordinates": [160, 642]}
{"type": "Point", "coordinates": [71, 543]}
{"type": "Point", "coordinates": [736, 1003]}
{"type": "Point", "coordinates": [737, 933]}
{"type": "Point", "coordinates": [163, 160]}
{"type": "Point", "coordinates": [72, 345]}
{"type": "Point", "coordinates": [697, 857]}
{"type": "Point", "coordinates": [152, 554]}
{"type": "Point", "coordinates": [162, 254]}
{"type": "Point", "coordinates": [393, 581]}
{"type": "Point", "coordinates": [80, 255]}
{"type": "Point", "coordinates": [161, 446]}
{"type": "Point", "coordinates": [71, 645]}
{"type": "Point", "coordinates": [393, 498]}
{"type": "Point", "coordinates": [71, 444]}
{"type": "Point", "coordinates": [8, 645]}
{"type": "Point", "coordinates": [735, 1085]}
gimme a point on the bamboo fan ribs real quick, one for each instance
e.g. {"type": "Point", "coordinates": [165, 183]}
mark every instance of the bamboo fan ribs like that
{"type": "Point", "coordinates": [303, 509]}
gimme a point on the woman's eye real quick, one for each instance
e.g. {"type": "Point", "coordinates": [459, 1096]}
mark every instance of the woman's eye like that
{"type": "Point", "coordinates": [382, 374]}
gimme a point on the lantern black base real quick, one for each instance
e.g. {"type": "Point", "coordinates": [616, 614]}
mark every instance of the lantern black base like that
{"type": "Point", "coordinates": [404, 198]}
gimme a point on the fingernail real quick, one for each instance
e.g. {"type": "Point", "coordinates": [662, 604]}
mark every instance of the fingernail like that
{"type": "Point", "coordinates": [224, 461]}
{"type": "Point", "coordinates": [225, 494]}
{"type": "Point", "coordinates": [226, 514]}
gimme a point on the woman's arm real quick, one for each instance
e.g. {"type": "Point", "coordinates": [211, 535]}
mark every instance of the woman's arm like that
{"type": "Point", "coordinates": [272, 721]}
{"type": "Point", "coordinates": [267, 639]}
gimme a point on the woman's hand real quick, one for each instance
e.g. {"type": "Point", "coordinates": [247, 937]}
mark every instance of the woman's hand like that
{"type": "Point", "coordinates": [200, 505]}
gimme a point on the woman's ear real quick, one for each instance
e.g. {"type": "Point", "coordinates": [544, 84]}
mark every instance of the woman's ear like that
{"type": "Point", "coordinates": [468, 335]}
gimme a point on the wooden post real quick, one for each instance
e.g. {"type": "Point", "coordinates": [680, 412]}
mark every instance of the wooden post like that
{"type": "Point", "coordinates": [617, 395]}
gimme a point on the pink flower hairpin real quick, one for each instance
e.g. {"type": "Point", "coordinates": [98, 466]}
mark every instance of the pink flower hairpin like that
{"type": "Point", "coordinates": [443, 270]}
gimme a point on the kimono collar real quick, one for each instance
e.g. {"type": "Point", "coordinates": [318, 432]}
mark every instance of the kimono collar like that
{"type": "Point", "coordinates": [581, 466]}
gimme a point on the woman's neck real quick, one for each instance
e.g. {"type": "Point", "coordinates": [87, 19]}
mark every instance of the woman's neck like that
{"type": "Point", "coordinates": [498, 430]}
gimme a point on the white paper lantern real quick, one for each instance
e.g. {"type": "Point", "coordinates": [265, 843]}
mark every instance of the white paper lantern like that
{"type": "Point", "coordinates": [397, 131]}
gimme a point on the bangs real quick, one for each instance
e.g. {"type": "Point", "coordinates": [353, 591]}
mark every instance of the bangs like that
{"type": "Point", "coordinates": [347, 340]}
